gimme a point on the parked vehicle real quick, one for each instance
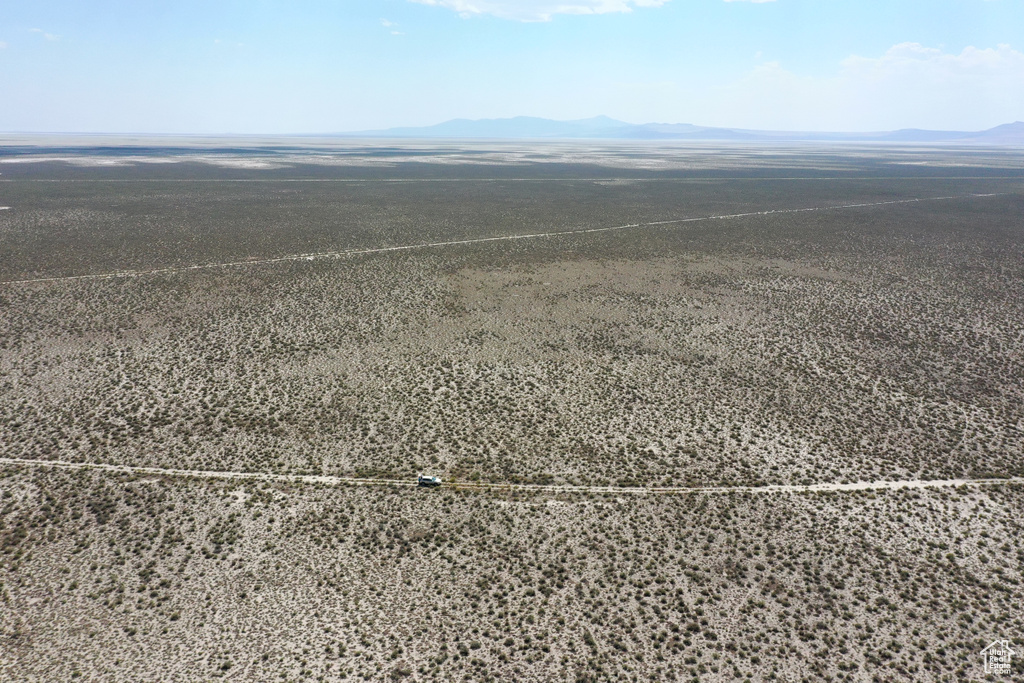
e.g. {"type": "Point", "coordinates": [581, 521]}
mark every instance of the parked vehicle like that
{"type": "Point", "coordinates": [424, 480]}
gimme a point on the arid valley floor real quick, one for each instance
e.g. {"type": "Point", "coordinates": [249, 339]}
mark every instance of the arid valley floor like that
{"type": "Point", "coordinates": [560, 332]}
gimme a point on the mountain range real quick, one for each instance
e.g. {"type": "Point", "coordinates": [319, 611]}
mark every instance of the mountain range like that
{"type": "Point", "coordinates": [603, 127]}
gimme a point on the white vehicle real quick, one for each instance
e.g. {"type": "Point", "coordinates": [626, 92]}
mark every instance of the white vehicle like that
{"type": "Point", "coordinates": [424, 480]}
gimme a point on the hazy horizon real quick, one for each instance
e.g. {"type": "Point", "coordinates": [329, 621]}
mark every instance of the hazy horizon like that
{"type": "Point", "coordinates": [380, 133]}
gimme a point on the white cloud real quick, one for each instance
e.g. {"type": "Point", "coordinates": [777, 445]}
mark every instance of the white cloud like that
{"type": "Point", "coordinates": [753, 1]}
{"type": "Point", "coordinates": [3, 45]}
{"type": "Point", "coordinates": [933, 65]}
{"type": "Point", "coordinates": [538, 10]}
{"type": "Point", "coordinates": [387, 24]}
{"type": "Point", "coordinates": [44, 34]}
{"type": "Point", "coordinates": [910, 85]}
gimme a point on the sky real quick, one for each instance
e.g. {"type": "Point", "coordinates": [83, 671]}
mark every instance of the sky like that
{"type": "Point", "coordinates": [323, 66]}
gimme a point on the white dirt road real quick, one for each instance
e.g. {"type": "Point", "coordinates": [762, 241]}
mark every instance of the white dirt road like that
{"type": "Point", "coordinates": [498, 487]}
{"type": "Point", "coordinates": [478, 240]}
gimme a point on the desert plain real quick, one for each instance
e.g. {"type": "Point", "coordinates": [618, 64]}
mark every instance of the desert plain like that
{"type": "Point", "coordinates": [702, 412]}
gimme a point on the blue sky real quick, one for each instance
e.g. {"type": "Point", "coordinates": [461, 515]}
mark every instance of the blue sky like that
{"type": "Point", "coordinates": [312, 66]}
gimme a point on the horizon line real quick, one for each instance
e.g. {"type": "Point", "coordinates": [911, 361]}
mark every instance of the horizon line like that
{"type": "Point", "coordinates": [376, 132]}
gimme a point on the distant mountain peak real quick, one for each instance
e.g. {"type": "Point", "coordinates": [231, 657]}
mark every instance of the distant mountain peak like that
{"type": "Point", "coordinates": [605, 127]}
{"type": "Point", "coordinates": [602, 120]}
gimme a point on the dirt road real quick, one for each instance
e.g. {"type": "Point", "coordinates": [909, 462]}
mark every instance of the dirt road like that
{"type": "Point", "coordinates": [478, 240]}
{"type": "Point", "coordinates": [491, 486]}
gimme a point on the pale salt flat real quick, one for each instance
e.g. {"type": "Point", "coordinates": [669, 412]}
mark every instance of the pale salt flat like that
{"type": "Point", "coordinates": [664, 156]}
